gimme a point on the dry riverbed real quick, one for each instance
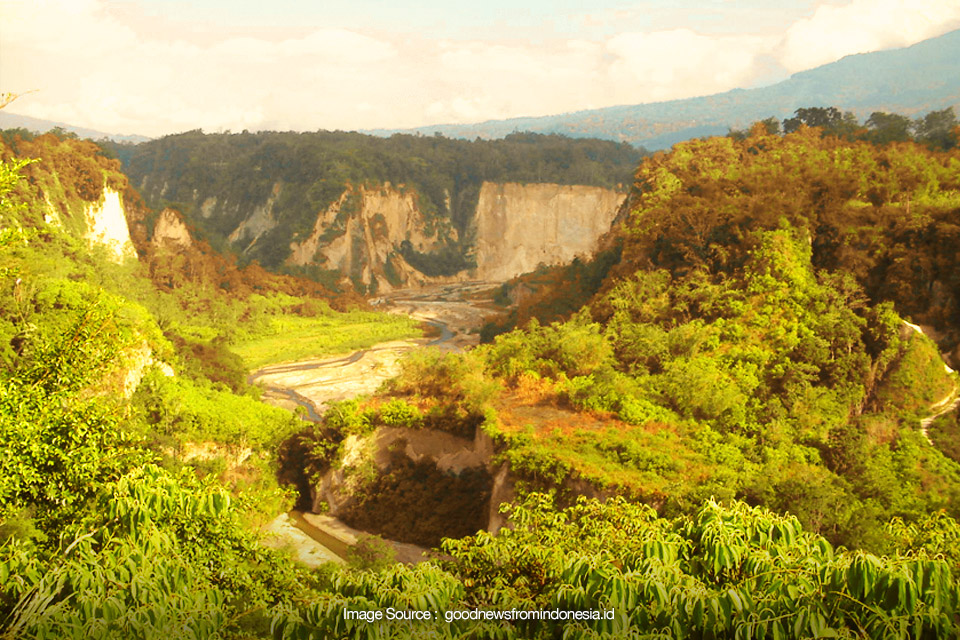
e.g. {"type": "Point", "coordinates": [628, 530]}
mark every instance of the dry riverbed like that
{"type": "Point", "coordinates": [313, 384]}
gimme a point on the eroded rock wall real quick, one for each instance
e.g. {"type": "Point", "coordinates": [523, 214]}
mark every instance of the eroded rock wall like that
{"type": "Point", "coordinates": [362, 233]}
{"type": "Point", "coordinates": [253, 226]}
{"type": "Point", "coordinates": [374, 234]}
{"type": "Point", "coordinates": [411, 485]}
{"type": "Point", "coordinates": [521, 226]}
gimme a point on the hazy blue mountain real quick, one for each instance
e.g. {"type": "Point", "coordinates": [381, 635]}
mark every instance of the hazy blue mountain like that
{"type": "Point", "coordinates": [910, 81]}
{"type": "Point", "coordinates": [14, 121]}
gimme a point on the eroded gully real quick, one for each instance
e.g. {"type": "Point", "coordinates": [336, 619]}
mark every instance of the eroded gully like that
{"type": "Point", "coordinates": [313, 384]}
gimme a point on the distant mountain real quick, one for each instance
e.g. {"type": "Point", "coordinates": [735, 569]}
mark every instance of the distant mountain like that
{"type": "Point", "coordinates": [908, 81]}
{"type": "Point", "coordinates": [14, 121]}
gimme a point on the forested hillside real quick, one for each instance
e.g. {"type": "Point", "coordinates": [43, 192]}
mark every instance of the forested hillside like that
{"type": "Point", "coordinates": [746, 343]}
{"type": "Point", "coordinates": [836, 173]}
{"type": "Point", "coordinates": [126, 422]}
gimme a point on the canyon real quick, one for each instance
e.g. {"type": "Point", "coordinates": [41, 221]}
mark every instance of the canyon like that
{"type": "Point", "coordinates": [374, 215]}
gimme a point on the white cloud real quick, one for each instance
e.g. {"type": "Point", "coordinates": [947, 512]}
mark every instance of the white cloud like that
{"type": "Point", "coordinates": [341, 45]}
{"type": "Point", "coordinates": [680, 62]}
{"type": "Point", "coordinates": [97, 72]}
{"type": "Point", "coordinates": [861, 26]}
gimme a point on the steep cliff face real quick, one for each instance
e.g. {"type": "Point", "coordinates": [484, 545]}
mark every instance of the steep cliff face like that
{"type": "Point", "coordinates": [72, 186]}
{"type": "Point", "coordinates": [107, 226]}
{"type": "Point", "coordinates": [379, 237]}
{"type": "Point", "coordinates": [367, 232]}
{"type": "Point", "coordinates": [364, 233]}
{"type": "Point", "coordinates": [519, 227]}
{"type": "Point", "coordinates": [415, 485]}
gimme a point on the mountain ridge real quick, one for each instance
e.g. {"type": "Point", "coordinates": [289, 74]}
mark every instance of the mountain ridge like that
{"type": "Point", "coordinates": [911, 80]}
{"type": "Point", "coordinates": [39, 125]}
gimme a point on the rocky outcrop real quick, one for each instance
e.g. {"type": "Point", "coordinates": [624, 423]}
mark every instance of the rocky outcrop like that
{"type": "Point", "coordinates": [364, 233]}
{"type": "Point", "coordinates": [106, 225]}
{"type": "Point", "coordinates": [51, 216]}
{"type": "Point", "coordinates": [521, 226]}
{"type": "Point", "coordinates": [232, 455]}
{"type": "Point", "coordinates": [136, 361]}
{"type": "Point", "coordinates": [170, 230]}
{"type": "Point", "coordinates": [458, 479]}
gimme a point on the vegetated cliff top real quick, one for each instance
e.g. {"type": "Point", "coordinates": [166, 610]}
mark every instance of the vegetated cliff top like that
{"type": "Point", "coordinates": [912, 80]}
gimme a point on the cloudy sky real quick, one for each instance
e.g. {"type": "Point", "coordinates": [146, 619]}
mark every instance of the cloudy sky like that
{"type": "Point", "coordinates": [161, 66]}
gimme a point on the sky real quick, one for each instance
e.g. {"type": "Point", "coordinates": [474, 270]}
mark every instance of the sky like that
{"type": "Point", "coordinates": [153, 67]}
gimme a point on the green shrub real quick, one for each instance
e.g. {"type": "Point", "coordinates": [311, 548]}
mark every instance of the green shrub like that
{"type": "Point", "coordinates": [398, 413]}
{"type": "Point", "coordinates": [347, 417]}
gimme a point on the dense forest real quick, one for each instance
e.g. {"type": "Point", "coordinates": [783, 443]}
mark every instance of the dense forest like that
{"type": "Point", "coordinates": [934, 131]}
{"type": "Point", "coordinates": [743, 340]}
{"type": "Point", "coordinates": [739, 389]}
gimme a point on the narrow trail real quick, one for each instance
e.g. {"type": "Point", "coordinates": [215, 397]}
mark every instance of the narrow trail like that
{"type": "Point", "coordinates": [949, 403]}
{"type": "Point", "coordinates": [945, 406]}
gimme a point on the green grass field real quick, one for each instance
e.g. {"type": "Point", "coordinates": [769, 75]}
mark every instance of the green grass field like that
{"type": "Point", "coordinates": [297, 338]}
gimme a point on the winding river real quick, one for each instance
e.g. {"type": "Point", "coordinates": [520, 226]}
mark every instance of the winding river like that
{"type": "Point", "coordinates": [313, 384]}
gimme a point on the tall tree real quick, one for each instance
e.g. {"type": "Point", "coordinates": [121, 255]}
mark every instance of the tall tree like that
{"type": "Point", "coordinates": [888, 127]}
{"type": "Point", "coordinates": [830, 119]}
{"type": "Point", "coordinates": [936, 129]}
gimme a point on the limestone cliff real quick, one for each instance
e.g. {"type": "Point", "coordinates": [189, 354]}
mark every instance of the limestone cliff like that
{"type": "Point", "coordinates": [107, 226]}
{"type": "Point", "coordinates": [519, 227]}
{"type": "Point", "coordinates": [364, 233]}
